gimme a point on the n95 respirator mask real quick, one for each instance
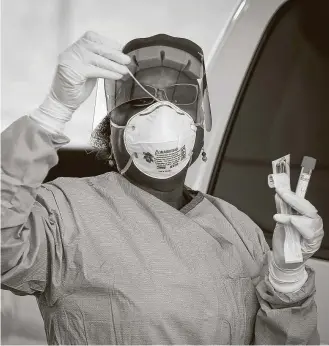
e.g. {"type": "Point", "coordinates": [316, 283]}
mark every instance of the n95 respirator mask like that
{"type": "Point", "coordinates": [159, 139]}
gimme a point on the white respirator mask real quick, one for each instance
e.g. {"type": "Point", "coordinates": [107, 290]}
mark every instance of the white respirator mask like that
{"type": "Point", "coordinates": [160, 140]}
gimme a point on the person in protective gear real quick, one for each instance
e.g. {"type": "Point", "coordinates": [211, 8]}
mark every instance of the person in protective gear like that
{"type": "Point", "coordinates": [134, 256]}
{"type": "Point", "coordinates": [166, 85]}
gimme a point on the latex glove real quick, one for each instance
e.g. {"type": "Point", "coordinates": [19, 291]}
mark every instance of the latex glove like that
{"type": "Point", "coordinates": [92, 56]}
{"type": "Point", "coordinates": [290, 277]}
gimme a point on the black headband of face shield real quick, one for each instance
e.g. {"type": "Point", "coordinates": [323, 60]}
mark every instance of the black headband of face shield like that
{"type": "Point", "coordinates": [179, 43]}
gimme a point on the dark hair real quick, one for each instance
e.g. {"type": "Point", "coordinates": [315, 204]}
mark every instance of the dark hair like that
{"type": "Point", "coordinates": [100, 140]}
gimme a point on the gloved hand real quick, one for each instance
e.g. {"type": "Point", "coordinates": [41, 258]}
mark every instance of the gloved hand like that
{"type": "Point", "coordinates": [290, 277]}
{"type": "Point", "coordinates": [92, 56]}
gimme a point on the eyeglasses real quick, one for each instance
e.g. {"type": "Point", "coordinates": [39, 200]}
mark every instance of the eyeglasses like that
{"type": "Point", "coordinates": [179, 94]}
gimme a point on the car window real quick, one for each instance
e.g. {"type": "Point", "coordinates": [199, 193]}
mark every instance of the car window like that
{"type": "Point", "coordinates": [282, 108]}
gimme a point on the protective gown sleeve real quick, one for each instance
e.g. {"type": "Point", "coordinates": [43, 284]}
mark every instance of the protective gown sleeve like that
{"type": "Point", "coordinates": [30, 235]}
{"type": "Point", "coordinates": [281, 318]}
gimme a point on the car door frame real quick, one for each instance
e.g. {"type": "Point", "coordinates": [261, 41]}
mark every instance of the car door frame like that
{"type": "Point", "coordinates": [228, 73]}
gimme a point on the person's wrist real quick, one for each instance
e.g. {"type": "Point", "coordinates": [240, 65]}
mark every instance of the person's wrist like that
{"type": "Point", "coordinates": [45, 121]}
{"type": "Point", "coordinates": [52, 115]}
{"type": "Point", "coordinates": [56, 109]}
{"type": "Point", "coordinates": [287, 280]}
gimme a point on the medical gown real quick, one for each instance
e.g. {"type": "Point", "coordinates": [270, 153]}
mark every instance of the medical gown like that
{"type": "Point", "coordinates": [110, 263]}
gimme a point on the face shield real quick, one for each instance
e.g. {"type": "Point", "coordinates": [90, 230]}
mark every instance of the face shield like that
{"type": "Point", "coordinates": [162, 68]}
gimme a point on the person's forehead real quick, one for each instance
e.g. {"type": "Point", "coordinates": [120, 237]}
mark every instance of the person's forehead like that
{"type": "Point", "coordinates": [162, 76]}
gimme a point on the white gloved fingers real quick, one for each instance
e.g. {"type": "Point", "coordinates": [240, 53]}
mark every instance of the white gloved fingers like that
{"type": "Point", "coordinates": [308, 248]}
{"type": "Point", "coordinates": [92, 56]}
{"type": "Point", "coordinates": [301, 205]}
{"type": "Point", "coordinates": [92, 36]}
{"type": "Point", "coordinates": [78, 72]}
{"type": "Point", "coordinates": [277, 200]}
{"type": "Point", "coordinates": [282, 218]}
{"type": "Point", "coordinates": [75, 68]}
{"type": "Point", "coordinates": [94, 43]}
{"type": "Point", "coordinates": [310, 229]}
{"type": "Point", "coordinates": [108, 53]}
{"type": "Point", "coordinates": [106, 64]}
{"type": "Point", "coordinates": [106, 47]}
{"type": "Point", "coordinates": [81, 51]}
{"type": "Point", "coordinates": [97, 72]}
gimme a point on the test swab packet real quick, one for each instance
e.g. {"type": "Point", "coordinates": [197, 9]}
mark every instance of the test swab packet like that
{"type": "Point", "coordinates": [281, 179]}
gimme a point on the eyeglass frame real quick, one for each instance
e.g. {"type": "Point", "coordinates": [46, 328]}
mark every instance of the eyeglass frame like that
{"type": "Point", "coordinates": [164, 91]}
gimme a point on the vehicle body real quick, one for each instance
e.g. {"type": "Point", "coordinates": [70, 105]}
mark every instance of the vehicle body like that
{"type": "Point", "coordinates": [231, 61]}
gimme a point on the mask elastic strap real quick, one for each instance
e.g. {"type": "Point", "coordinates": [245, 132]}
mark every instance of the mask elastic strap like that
{"type": "Point", "coordinates": [133, 77]}
{"type": "Point", "coordinates": [190, 162]}
{"type": "Point", "coordinates": [117, 126]}
{"type": "Point", "coordinates": [125, 169]}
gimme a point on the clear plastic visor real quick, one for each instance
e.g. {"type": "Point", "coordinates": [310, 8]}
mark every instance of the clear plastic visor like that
{"type": "Point", "coordinates": [161, 73]}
